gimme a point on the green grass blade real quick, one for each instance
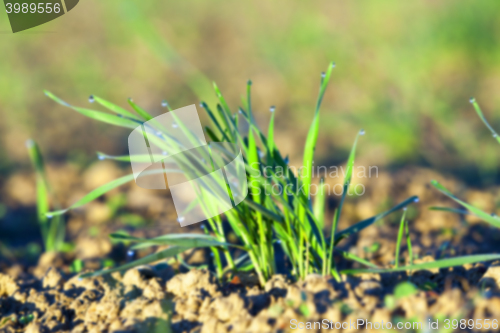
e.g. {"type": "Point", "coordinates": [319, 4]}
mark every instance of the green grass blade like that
{"type": "Point", "coordinates": [114, 108]}
{"type": "Point", "coordinates": [253, 162]}
{"type": "Point", "coordinates": [249, 101]}
{"type": "Point", "coordinates": [366, 223]}
{"type": "Point", "coordinates": [104, 189]}
{"type": "Point", "coordinates": [483, 118]}
{"type": "Point", "coordinates": [400, 237]}
{"type": "Point", "coordinates": [52, 230]}
{"type": "Point", "coordinates": [141, 158]}
{"type": "Point", "coordinates": [222, 101]}
{"type": "Point", "coordinates": [42, 196]}
{"type": "Point", "coordinates": [118, 236]}
{"type": "Point", "coordinates": [319, 204]}
{"type": "Point", "coordinates": [263, 210]}
{"type": "Point", "coordinates": [442, 263]}
{"type": "Point", "coordinates": [494, 221]}
{"type": "Point", "coordinates": [270, 135]}
{"type": "Point", "coordinates": [215, 121]}
{"type": "Point", "coordinates": [97, 115]}
{"type": "Point", "coordinates": [312, 136]}
{"type": "Point", "coordinates": [184, 240]}
{"type": "Point", "coordinates": [140, 111]}
{"type": "Point", "coordinates": [350, 256]}
{"type": "Point", "coordinates": [408, 243]}
{"type": "Point", "coordinates": [167, 253]}
{"type": "Point", "coordinates": [211, 134]}
{"type": "Point", "coordinates": [255, 189]}
{"type": "Point", "coordinates": [450, 210]}
{"type": "Point", "coordinates": [336, 217]}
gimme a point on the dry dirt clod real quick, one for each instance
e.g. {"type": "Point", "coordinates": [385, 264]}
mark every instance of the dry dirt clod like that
{"type": "Point", "coordinates": [52, 279]}
{"type": "Point", "coordinates": [200, 280]}
{"type": "Point", "coordinates": [229, 307]}
{"type": "Point", "coordinates": [7, 286]}
{"type": "Point", "coordinates": [491, 279]}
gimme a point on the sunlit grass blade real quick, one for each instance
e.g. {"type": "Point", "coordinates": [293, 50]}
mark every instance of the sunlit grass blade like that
{"type": "Point", "coordinates": [495, 221]}
{"type": "Point", "coordinates": [249, 101]}
{"type": "Point", "coordinates": [483, 118]}
{"type": "Point", "coordinates": [312, 135]}
{"type": "Point", "coordinates": [347, 182]}
{"type": "Point", "coordinates": [366, 223]}
{"type": "Point", "coordinates": [140, 111]}
{"type": "Point", "coordinates": [173, 237]}
{"type": "Point", "coordinates": [164, 254]}
{"type": "Point", "coordinates": [104, 189]}
{"type": "Point", "coordinates": [114, 108]}
{"type": "Point", "coordinates": [215, 121]}
{"type": "Point", "coordinates": [400, 237]}
{"type": "Point", "coordinates": [245, 234]}
{"type": "Point", "coordinates": [255, 190]}
{"type": "Point", "coordinates": [263, 210]}
{"type": "Point", "coordinates": [42, 195]}
{"type": "Point", "coordinates": [319, 204]}
{"type": "Point", "coordinates": [52, 230]}
{"type": "Point", "coordinates": [189, 242]}
{"type": "Point", "coordinates": [184, 240]}
{"type": "Point", "coordinates": [221, 98]}
{"type": "Point", "coordinates": [442, 263]}
{"type": "Point", "coordinates": [450, 210]}
{"type": "Point", "coordinates": [270, 135]}
{"type": "Point", "coordinates": [408, 243]}
{"type": "Point", "coordinates": [211, 134]}
{"type": "Point", "coordinates": [97, 115]}
{"type": "Point", "coordinates": [130, 158]}
{"type": "Point", "coordinates": [350, 256]}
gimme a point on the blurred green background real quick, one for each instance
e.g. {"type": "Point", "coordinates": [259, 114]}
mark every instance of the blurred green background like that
{"type": "Point", "coordinates": [405, 71]}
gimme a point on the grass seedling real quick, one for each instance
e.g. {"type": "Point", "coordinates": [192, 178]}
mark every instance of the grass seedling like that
{"type": "Point", "coordinates": [408, 243]}
{"type": "Point", "coordinates": [483, 118]}
{"type": "Point", "coordinates": [267, 216]}
{"type": "Point", "coordinates": [404, 231]}
{"type": "Point", "coordinates": [400, 237]}
{"type": "Point", "coordinates": [25, 320]}
{"type": "Point", "coordinates": [52, 227]}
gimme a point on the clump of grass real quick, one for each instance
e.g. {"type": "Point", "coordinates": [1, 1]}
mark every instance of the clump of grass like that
{"type": "Point", "coordinates": [265, 219]}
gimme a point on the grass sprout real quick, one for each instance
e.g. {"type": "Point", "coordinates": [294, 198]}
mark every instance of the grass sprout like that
{"type": "Point", "coordinates": [400, 237]}
{"type": "Point", "coordinates": [52, 226]}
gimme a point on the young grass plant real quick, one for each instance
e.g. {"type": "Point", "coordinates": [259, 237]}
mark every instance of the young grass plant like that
{"type": "Point", "coordinates": [52, 227]}
{"type": "Point", "coordinates": [266, 218]}
{"type": "Point", "coordinates": [400, 237]}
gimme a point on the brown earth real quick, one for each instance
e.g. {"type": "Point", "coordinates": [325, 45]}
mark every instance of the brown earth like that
{"type": "Point", "coordinates": [146, 300]}
{"type": "Point", "coordinates": [46, 297]}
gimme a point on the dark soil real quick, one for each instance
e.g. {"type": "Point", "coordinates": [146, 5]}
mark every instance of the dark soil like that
{"type": "Point", "coordinates": [148, 300]}
{"type": "Point", "coordinates": [41, 295]}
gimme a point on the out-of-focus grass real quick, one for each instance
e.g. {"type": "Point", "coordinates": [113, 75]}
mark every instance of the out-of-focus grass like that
{"type": "Point", "coordinates": [404, 69]}
{"type": "Point", "coordinates": [492, 218]}
{"type": "Point", "coordinates": [52, 228]}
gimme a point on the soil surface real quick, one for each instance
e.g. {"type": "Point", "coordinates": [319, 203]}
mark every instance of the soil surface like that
{"type": "Point", "coordinates": [43, 295]}
{"type": "Point", "coordinates": [150, 299]}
